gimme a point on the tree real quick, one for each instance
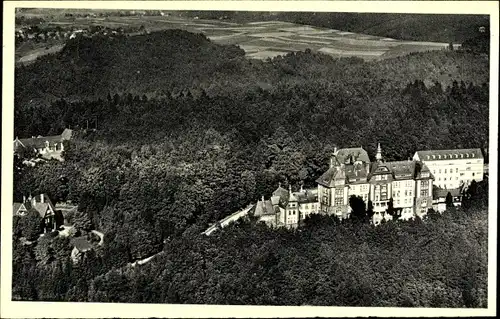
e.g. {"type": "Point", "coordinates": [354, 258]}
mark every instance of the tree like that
{"type": "Point", "coordinates": [449, 200]}
{"type": "Point", "coordinates": [30, 225]}
{"type": "Point", "coordinates": [358, 207]}
{"type": "Point", "coordinates": [82, 220]}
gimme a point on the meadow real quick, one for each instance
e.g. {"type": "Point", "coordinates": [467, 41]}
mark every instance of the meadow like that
{"type": "Point", "coordinates": [260, 40]}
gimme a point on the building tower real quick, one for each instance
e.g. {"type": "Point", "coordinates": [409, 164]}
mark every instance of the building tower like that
{"type": "Point", "coordinates": [378, 157]}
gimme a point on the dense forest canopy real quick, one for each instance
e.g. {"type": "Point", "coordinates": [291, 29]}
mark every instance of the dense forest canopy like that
{"type": "Point", "coordinates": [188, 132]}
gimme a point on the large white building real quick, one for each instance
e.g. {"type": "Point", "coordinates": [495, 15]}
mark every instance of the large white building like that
{"type": "Point", "coordinates": [408, 183]}
{"type": "Point", "coordinates": [452, 168]}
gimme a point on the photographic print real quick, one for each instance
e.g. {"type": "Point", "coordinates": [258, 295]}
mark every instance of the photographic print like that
{"type": "Point", "coordinates": [250, 157]}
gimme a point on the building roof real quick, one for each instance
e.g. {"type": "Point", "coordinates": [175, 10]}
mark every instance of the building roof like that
{"type": "Point", "coordinates": [81, 244]}
{"type": "Point", "coordinates": [35, 205]}
{"type": "Point", "coordinates": [306, 197]}
{"type": "Point", "coordinates": [264, 208]}
{"type": "Point", "coordinates": [281, 192]}
{"type": "Point", "coordinates": [333, 173]}
{"type": "Point", "coordinates": [41, 141]}
{"type": "Point", "coordinates": [356, 173]}
{"type": "Point", "coordinates": [38, 142]}
{"type": "Point", "coordinates": [344, 155]}
{"type": "Point", "coordinates": [275, 200]}
{"type": "Point", "coordinates": [402, 169]}
{"type": "Point", "coordinates": [437, 155]}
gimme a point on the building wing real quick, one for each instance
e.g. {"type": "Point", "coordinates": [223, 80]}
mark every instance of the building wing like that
{"type": "Point", "coordinates": [440, 155]}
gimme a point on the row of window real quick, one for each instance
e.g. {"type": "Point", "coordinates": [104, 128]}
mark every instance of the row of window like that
{"type": "Point", "coordinates": [381, 177]}
{"type": "Point", "coordinates": [402, 184]}
{"type": "Point", "coordinates": [449, 171]}
{"type": "Point", "coordinates": [397, 193]}
{"type": "Point", "coordinates": [451, 156]}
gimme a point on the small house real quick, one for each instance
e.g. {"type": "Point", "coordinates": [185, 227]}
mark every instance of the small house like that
{"type": "Point", "coordinates": [41, 205]}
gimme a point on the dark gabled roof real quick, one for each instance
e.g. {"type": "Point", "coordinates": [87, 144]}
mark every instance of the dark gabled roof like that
{"type": "Point", "coordinates": [402, 169]}
{"type": "Point", "coordinates": [281, 192]}
{"type": "Point", "coordinates": [40, 207]}
{"type": "Point", "coordinates": [306, 197]}
{"type": "Point", "coordinates": [81, 244]}
{"type": "Point", "coordinates": [356, 173]}
{"type": "Point", "coordinates": [40, 141]}
{"type": "Point", "coordinates": [441, 155]}
{"type": "Point", "coordinates": [379, 168]}
{"type": "Point", "coordinates": [264, 208]}
{"type": "Point", "coordinates": [328, 178]}
{"type": "Point", "coordinates": [35, 205]}
{"type": "Point", "coordinates": [358, 153]}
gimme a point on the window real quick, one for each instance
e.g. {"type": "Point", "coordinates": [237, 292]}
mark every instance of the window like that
{"type": "Point", "coordinates": [424, 184]}
{"type": "Point", "coordinates": [424, 202]}
{"type": "Point", "coordinates": [339, 192]}
{"type": "Point", "coordinates": [473, 174]}
{"type": "Point", "coordinates": [439, 171]}
{"type": "Point", "coordinates": [444, 179]}
{"type": "Point", "coordinates": [424, 193]}
{"type": "Point", "coordinates": [339, 201]}
{"type": "Point", "coordinates": [468, 168]}
{"type": "Point", "coordinates": [378, 177]}
{"type": "Point", "coordinates": [445, 170]}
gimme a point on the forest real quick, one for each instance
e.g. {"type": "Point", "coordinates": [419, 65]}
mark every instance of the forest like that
{"type": "Point", "coordinates": [182, 132]}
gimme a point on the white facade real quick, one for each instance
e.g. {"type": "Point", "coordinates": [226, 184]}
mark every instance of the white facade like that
{"type": "Point", "coordinates": [454, 167]}
{"type": "Point", "coordinates": [403, 195]}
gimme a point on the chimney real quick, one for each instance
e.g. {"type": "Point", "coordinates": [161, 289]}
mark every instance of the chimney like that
{"type": "Point", "coordinates": [301, 188]}
{"type": "Point", "coordinates": [42, 199]}
{"type": "Point", "coordinates": [335, 150]}
{"type": "Point", "coordinates": [290, 189]}
{"type": "Point", "coordinates": [262, 197]}
{"type": "Point", "coordinates": [331, 162]}
{"type": "Point", "coordinates": [24, 199]}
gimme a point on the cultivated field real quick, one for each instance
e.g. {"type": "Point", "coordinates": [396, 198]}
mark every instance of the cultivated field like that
{"type": "Point", "coordinates": [260, 40]}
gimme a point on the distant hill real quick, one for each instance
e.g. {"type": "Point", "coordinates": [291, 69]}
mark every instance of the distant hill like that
{"type": "Point", "coordinates": [417, 27]}
{"type": "Point", "coordinates": [171, 61]}
{"type": "Point", "coordinates": [94, 67]}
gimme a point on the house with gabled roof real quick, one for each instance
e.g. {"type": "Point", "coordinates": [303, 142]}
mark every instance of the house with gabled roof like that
{"type": "Point", "coordinates": [287, 208]}
{"type": "Point", "coordinates": [46, 146]}
{"type": "Point", "coordinates": [346, 176]}
{"type": "Point", "coordinates": [43, 207]}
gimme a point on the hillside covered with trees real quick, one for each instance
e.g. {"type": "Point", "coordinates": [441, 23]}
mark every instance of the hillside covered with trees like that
{"type": "Point", "coordinates": [189, 132]}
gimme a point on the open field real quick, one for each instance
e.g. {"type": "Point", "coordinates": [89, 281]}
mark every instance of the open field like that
{"type": "Point", "coordinates": [260, 40]}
